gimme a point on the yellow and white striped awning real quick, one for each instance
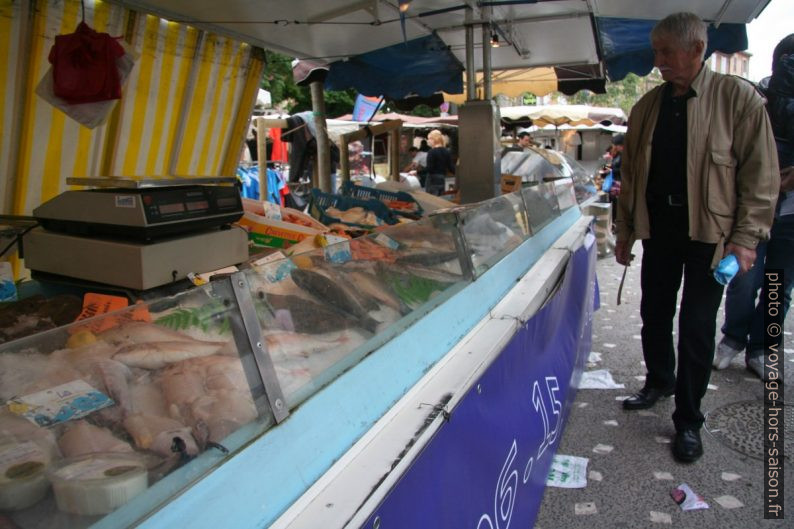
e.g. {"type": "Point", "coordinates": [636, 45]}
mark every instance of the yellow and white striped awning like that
{"type": "Point", "coordinates": [183, 111]}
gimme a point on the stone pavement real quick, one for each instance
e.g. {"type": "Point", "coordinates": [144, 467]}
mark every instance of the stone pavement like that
{"type": "Point", "coordinates": [629, 487]}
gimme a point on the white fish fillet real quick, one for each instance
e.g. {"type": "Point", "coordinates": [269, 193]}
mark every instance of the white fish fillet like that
{"type": "Point", "coordinates": [140, 332]}
{"type": "Point", "coordinates": [84, 438]}
{"type": "Point", "coordinates": [156, 355]}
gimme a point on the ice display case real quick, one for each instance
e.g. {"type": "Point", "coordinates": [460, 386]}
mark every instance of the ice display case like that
{"type": "Point", "coordinates": [107, 420]}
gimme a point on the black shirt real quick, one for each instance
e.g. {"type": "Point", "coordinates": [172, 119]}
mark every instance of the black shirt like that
{"type": "Point", "coordinates": [666, 193]}
{"type": "Point", "coordinates": [439, 161]}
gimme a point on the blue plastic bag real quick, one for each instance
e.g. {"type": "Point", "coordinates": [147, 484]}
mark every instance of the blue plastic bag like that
{"type": "Point", "coordinates": [607, 185]}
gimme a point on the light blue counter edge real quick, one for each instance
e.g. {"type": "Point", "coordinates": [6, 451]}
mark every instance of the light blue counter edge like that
{"type": "Point", "coordinates": [261, 481]}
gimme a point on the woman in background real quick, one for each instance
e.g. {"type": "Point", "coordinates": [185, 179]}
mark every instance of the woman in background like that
{"type": "Point", "coordinates": [439, 163]}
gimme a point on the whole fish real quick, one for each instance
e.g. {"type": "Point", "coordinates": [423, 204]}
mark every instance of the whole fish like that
{"type": "Point", "coordinates": [326, 290]}
{"type": "Point", "coordinates": [427, 258]}
{"type": "Point", "coordinates": [308, 316]}
{"type": "Point", "coordinates": [155, 355]}
{"type": "Point", "coordinates": [373, 287]}
{"type": "Point", "coordinates": [283, 345]}
{"type": "Point", "coordinates": [140, 332]}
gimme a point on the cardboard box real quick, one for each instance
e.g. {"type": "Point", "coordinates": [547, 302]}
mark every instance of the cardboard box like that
{"type": "Point", "coordinates": [275, 233]}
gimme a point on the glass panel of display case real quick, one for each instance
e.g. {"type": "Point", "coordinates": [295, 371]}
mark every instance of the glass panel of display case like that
{"type": "Point", "coordinates": [323, 311]}
{"type": "Point", "coordinates": [542, 206]}
{"type": "Point", "coordinates": [121, 411]}
{"type": "Point", "coordinates": [566, 197]}
{"type": "Point", "coordinates": [493, 228]}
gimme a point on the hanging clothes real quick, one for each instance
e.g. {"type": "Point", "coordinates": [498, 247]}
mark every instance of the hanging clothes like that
{"type": "Point", "coordinates": [280, 152]}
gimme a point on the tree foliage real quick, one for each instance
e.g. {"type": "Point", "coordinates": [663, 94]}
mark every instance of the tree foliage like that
{"type": "Point", "coordinates": [621, 94]}
{"type": "Point", "coordinates": [278, 80]}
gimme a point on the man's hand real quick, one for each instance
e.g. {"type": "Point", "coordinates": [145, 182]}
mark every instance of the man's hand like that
{"type": "Point", "coordinates": [622, 254]}
{"type": "Point", "coordinates": [787, 179]}
{"type": "Point", "coordinates": [745, 256]}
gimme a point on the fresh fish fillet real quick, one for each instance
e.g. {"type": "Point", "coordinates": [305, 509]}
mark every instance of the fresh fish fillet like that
{"type": "Point", "coordinates": [156, 355]}
{"type": "Point", "coordinates": [223, 411]}
{"type": "Point", "coordinates": [309, 316]}
{"type": "Point", "coordinates": [147, 399]}
{"type": "Point", "coordinates": [16, 428]}
{"type": "Point", "coordinates": [84, 438]}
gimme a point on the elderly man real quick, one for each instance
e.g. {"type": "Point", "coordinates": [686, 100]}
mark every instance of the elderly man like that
{"type": "Point", "coordinates": [699, 181]}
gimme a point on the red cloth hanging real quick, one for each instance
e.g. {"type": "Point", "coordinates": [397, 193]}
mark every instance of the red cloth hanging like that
{"type": "Point", "coordinates": [279, 153]}
{"type": "Point", "coordinates": [84, 66]}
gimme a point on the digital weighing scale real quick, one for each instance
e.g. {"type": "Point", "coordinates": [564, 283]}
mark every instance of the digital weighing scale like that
{"type": "Point", "coordinates": [138, 234]}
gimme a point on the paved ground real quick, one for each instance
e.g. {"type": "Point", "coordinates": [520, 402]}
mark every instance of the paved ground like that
{"type": "Point", "coordinates": [630, 486]}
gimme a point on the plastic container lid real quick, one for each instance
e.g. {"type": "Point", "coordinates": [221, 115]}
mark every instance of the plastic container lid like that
{"type": "Point", "coordinates": [97, 483]}
{"type": "Point", "coordinates": [22, 475]}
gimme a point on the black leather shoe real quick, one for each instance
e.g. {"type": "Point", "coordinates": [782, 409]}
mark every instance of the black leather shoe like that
{"type": "Point", "coordinates": [646, 398]}
{"type": "Point", "coordinates": [687, 446]}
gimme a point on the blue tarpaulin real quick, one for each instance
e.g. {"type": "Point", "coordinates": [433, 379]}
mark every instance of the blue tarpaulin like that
{"type": "Point", "coordinates": [420, 66]}
{"type": "Point", "coordinates": [626, 47]}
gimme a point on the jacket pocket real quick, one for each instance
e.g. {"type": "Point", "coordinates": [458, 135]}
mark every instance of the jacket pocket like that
{"type": "Point", "coordinates": [721, 183]}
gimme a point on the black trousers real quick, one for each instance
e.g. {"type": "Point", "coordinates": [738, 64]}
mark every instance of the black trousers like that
{"type": "Point", "coordinates": [664, 261]}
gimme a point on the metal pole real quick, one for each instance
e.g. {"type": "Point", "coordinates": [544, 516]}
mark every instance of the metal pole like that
{"type": "Point", "coordinates": [486, 61]}
{"type": "Point", "coordinates": [323, 146]}
{"type": "Point", "coordinates": [471, 73]}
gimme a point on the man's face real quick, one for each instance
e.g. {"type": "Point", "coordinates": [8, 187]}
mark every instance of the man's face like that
{"type": "Point", "coordinates": [524, 141]}
{"type": "Point", "coordinates": [676, 63]}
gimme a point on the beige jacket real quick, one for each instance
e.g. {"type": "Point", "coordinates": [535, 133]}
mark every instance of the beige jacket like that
{"type": "Point", "coordinates": [732, 169]}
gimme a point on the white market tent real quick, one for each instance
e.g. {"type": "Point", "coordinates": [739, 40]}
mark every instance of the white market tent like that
{"type": "Point", "coordinates": [540, 33]}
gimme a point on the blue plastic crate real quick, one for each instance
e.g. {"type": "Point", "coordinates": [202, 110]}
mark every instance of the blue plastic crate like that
{"type": "Point", "coordinates": [322, 201]}
{"type": "Point", "coordinates": [386, 197]}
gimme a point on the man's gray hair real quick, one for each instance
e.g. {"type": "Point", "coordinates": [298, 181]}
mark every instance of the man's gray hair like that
{"type": "Point", "coordinates": [686, 28]}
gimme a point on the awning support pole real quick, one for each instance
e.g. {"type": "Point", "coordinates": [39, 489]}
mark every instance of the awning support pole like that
{"type": "Point", "coordinates": [323, 178]}
{"type": "Point", "coordinates": [486, 61]}
{"type": "Point", "coordinates": [471, 74]}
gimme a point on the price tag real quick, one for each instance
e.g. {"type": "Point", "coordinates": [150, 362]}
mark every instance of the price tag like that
{"type": "Point", "coordinates": [272, 211]}
{"type": "Point", "coordinates": [388, 242]}
{"type": "Point", "coordinates": [8, 289]}
{"type": "Point", "coordinates": [338, 253]}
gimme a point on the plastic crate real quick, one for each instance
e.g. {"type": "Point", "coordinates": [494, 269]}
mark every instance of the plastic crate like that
{"type": "Point", "coordinates": [322, 201]}
{"type": "Point", "coordinates": [399, 202]}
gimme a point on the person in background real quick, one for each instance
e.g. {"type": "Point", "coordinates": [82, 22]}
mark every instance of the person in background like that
{"type": "Point", "coordinates": [706, 188]}
{"type": "Point", "coordinates": [525, 140]}
{"type": "Point", "coordinates": [439, 163]}
{"type": "Point", "coordinates": [743, 329]}
{"type": "Point", "coordinates": [617, 160]}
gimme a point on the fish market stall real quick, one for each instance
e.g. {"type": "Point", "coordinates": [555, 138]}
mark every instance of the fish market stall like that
{"type": "Point", "coordinates": [242, 402]}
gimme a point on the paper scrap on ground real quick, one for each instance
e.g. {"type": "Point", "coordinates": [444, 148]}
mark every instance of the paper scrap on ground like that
{"type": "Point", "coordinates": [623, 397]}
{"type": "Point", "coordinates": [661, 517]}
{"type": "Point", "coordinates": [603, 449]}
{"type": "Point", "coordinates": [594, 357]}
{"type": "Point", "coordinates": [662, 440]}
{"type": "Point", "coordinates": [598, 379]}
{"type": "Point", "coordinates": [662, 475]}
{"type": "Point", "coordinates": [585, 508]}
{"type": "Point", "coordinates": [568, 472]}
{"type": "Point", "coordinates": [582, 404]}
{"type": "Point", "coordinates": [712, 386]}
{"type": "Point", "coordinates": [611, 422]}
{"type": "Point", "coordinates": [686, 498]}
{"type": "Point", "coordinates": [609, 345]}
{"type": "Point", "coordinates": [730, 476]}
{"type": "Point", "coordinates": [729, 502]}
{"type": "Point", "coordinates": [640, 377]}
{"type": "Point", "coordinates": [637, 337]}
{"type": "Point", "coordinates": [595, 475]}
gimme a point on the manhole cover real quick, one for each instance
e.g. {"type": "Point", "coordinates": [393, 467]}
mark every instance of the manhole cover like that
{"type": "Point", "coordinates": [740, 426]}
